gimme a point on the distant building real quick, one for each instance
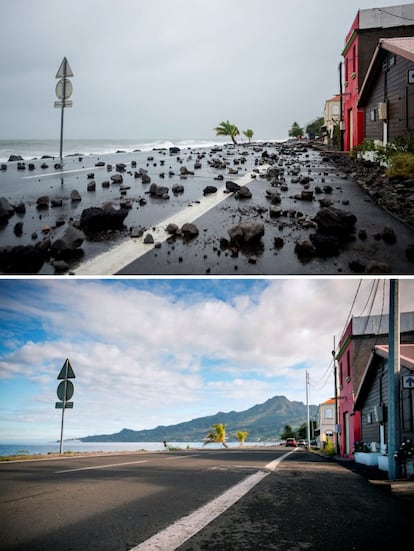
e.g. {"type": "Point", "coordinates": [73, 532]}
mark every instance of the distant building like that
{"type": "Point", "coordinates": [387, 93]}
{"type": "Point", "coordinates": [355, 347]}
{"type": "Point", "coordinates": [326, 423]}
{"type": "Point", "coordinates": [332, 117]}
{"type": "Point", "coordinates": [368, 27]}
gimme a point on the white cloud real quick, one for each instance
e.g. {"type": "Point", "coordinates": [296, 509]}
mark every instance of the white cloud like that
{"type": "Point", "coordinates": [145, 355]}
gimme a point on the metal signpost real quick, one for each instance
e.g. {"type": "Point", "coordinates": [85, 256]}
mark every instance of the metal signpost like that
{"type": "Point", "coordinates": [64, 90]}
{"type": "Point", "coordinates": [65, 391]}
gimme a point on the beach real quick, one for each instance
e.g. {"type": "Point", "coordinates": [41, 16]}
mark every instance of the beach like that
{"type": "Point", "coordinates": [251, 209]}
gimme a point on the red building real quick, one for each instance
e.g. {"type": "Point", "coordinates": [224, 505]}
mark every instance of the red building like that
{"type": "Point", "coordinates": [355, 348]}
{"type": "Point", "coordinates": [368, 27]}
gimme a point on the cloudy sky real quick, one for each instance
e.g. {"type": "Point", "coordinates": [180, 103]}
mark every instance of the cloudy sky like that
{"type": "Point", "coordinates": [170, 69]}
{"type": "Point", "coordinates": [161, 351]}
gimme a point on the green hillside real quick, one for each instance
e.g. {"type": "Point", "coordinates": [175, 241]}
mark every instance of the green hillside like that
{"type": "Point", "coordinates": [263, 421]}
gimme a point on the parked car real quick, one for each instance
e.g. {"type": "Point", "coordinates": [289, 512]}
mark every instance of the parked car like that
{"type": "Point", "coordinates": [291, 442]}
{"type": "Point", "coordinates": [301, 442]}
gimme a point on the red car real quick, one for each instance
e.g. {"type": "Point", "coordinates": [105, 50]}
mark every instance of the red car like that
{"type": "Point", "coordinates": [291, 442]}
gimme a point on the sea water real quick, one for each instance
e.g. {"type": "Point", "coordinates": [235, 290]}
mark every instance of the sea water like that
{"type": "Point", "coordinates": [29, 149]}
{"type": "Point", "coordinates": [76, 446]}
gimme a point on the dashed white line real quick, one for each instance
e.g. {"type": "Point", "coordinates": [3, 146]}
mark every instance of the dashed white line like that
{"type": "Point", "coordinates": [180, 457]}
{"type": "Point", "coordinates": [112, 261]}
{"type": "Point", "coordinates": [101, 466]}
{"type": "Point", "coordinates": [186, 527]}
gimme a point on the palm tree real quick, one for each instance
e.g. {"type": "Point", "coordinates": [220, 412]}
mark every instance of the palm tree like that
{"type": "Point", "coordinates": [218, 435]}
{"type": "Point", "coordinates": [226, 128]}
{"type": "Point", "coordinates": [241, 436]}
{"type": "Point", "coordinates": [248, 133]}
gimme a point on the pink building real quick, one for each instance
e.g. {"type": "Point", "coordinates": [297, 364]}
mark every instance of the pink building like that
{"type": "Point", "coordinates": [355, 348]}
{"type": "Point", "coordinates": [368, 27]}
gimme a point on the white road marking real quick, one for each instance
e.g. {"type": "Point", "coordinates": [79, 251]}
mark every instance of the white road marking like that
{"type": "Point", "coordinates": [180, 457]}
{"type": "Point", "coordinates": [60, 173]}
{"type": "Point", "coordinates": [186, 527]}
{"type": "Point", "coordinates": [101, 466]}
{"type": "Point", "coordinates": [110, 262]}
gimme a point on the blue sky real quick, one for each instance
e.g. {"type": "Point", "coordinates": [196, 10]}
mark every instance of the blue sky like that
{"type": "Point", "coordinates": [150, 352]}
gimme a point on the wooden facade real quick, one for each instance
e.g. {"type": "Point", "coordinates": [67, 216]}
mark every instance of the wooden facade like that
{"type": "Point", "coordinates": [372, 398]}
{"type": "Point", "coordinates": [387, 83]}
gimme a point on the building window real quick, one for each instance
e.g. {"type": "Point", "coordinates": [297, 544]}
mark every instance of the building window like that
{"type": "Point", "coordinates": [348, 363]}
{"type": "Point", "coordinates": [373, 115]}
{"type": "Point", "coordinates": [328, 414]}
{"type": "Point", "coordinates": [354, 58]}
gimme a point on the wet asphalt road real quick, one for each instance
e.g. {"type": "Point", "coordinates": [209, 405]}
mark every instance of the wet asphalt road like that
{"type": "Point", "coordinates": [115, 502]}
{"type": "Point", "coordinates": [205, 255]}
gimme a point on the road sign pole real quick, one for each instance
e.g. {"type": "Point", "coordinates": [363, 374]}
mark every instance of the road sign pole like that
{"type": "Point", "coordinates": [63, 418]}
{"type": "Point", "coordinates": [63, 92]}
{"type": "Point", "coordinates": [61, 120]}
{"type": "Point", "coordinates": [64, 392]}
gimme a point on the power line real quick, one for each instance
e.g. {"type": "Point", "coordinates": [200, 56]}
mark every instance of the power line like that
{"type": "Point", "coordinates": [395, 15]}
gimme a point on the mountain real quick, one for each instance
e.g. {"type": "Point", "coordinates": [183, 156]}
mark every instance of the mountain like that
{"type": "Point", "coordinates": [263, 421]}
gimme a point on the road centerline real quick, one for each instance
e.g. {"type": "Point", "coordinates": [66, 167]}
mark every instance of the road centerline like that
{"type": "Point", "coordinates": [186, 527]}
{"type": "Point", "coordinates": [101, 466]}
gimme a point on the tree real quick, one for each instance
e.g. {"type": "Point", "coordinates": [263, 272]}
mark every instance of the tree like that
{"type": "Point", "coordinates": [241, 436]}
{"type": "Point", "coordinates": [218, 435]}
{"type": "Point", "coordinates": [226, 128]}
{"type": "Point", "coordinates": [287, 432]}
{"type": "Point", "coordinates": [248, 133]}
{"type": "Point", "coordinates": [314, 127]}
{"type": "Point", "coordinates": [296, 131]}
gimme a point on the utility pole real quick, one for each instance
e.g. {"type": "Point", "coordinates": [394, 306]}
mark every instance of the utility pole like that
{"type": "Point", "coordinates": [341, 118]}
{"type": "Point", "coordinates": [307, 408]}
{"type": "Point", "coordinates": [394, 431]}
{"type": "Point", "coordinates": [336, 398]}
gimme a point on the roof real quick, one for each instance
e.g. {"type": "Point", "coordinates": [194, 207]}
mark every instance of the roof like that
{"type": "Point", "coordinates": [378, 352]}
{"type": "Point", "coordinates": [406, 354]}
{"type": "Point", "coordinates": [402, 46]}
{"type": "Point", "coordinates": [329, 402]}
{"type": "Point", "coordinates": [337, 97]}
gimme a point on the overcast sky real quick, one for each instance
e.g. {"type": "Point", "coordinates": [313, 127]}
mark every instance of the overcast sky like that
{"type": "Point", "coordinates": [170, 69]}
{"type": "Point", "coordinates": [163, 351]}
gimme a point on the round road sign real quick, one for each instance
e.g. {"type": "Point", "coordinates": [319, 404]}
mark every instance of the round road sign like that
{"type": "Point", "coordinates": [61, 390]}
{"type": "Point", "coordinates": [64, 85]}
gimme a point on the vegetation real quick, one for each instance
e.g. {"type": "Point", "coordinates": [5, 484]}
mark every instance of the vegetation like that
{"type": "Point", "coordinates": [296, 131]}
{"type": "Point", "coordinates": [249, 134]}
{"type": "Point", "coordinates": [217, 436]}
{"type": "Point", "coordinates": [287, 432]}
{"type": "Point", "coordinates": [263, 421]}
{"type": "Point", "coordinates": [398, 155]}
{"type": "Point", "coordinates": [328, 448]}
{"type": "Point", "coordinates": [226, 128]}
{"type": "Point", "coordinates": [401, 164]}
{"type": "Point", "coordinates": [241, 436]}
{"type": "Point", "coordinates": [315, 127]}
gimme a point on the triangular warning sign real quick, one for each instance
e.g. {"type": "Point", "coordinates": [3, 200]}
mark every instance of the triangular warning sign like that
{"type": "Point", "coordinates": [64, 69]}
{"type": "Point", "coordinates": [66, 372]}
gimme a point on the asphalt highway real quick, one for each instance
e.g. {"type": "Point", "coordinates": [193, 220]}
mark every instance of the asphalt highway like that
{"type": "Point", "coordinates": [292, 500]}
{"type": "Point", "coordinates": [113, 501]}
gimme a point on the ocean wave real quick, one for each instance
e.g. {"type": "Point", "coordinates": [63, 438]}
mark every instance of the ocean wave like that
{"type": "Point", "coordinates": [30, 149]}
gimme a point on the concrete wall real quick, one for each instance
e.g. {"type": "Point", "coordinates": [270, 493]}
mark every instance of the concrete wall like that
{"type": "Point", "coordinates": [393, 16]}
